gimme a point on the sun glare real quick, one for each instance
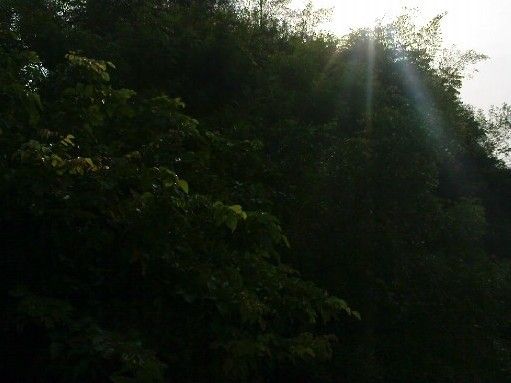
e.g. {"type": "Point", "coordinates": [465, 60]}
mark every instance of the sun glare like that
{"type": "Point", "coordinates": [469, 24]}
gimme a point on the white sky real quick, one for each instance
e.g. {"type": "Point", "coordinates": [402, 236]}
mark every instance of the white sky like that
{"type": "Point", "coordinates": [483, 25]}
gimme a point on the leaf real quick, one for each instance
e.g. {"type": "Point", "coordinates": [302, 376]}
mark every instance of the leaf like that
{"type": "Point", "coordinates": [91, 164]}
{"type": "Point", "coordinates": [183, 185]}
{"type": "Point", "coordinates": [68, 140]}
{"type": "Point", "coordinates": [238, 210]}
{"type": "Point", "coordinates": [56, 161]}
{"type": "Point", "coordinates": [146, 197]}
{"type": "Point", "coordinates": [133, 155]}
{"type": "Point", "coordinates": [232, 222]}
{"type": "Point", "coordinates": [286, 241]}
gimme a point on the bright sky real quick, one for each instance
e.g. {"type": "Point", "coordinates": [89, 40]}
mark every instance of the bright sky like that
{"type": "Point", "coordinates": [483, 25]}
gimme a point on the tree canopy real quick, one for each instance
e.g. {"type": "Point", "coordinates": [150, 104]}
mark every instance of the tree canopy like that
{"type": "Point", "coordinates": [202, 191]}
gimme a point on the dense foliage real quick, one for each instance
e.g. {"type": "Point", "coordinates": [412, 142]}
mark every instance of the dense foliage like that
{"type": "Point", "coordinates": [139, 244]}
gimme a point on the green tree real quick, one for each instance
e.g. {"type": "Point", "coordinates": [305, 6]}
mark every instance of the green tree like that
{"type": "Point", "coordinates": [144, 230]}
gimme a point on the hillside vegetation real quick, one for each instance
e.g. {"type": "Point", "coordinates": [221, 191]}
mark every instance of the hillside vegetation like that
{"type": "Point", "coordinates": [214, 191]}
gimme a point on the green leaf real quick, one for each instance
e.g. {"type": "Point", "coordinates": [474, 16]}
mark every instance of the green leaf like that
{"type": "Point", "coordinates": [91, 164]}
{"type": "Point", "coordinates": [238, 210]}
{"type": "Point", "coordinates": [68, 140]}
{"type": "Point", "coordinates": [286, 241]}
{"type": "Point", "coordinates": [56, 161]}
{"type": "Point", "coordinates": [183, 185]}
{"type": "Point", "coordinates": [232, 222]}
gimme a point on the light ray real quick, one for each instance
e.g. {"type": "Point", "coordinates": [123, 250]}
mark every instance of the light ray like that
{"type": "Point", "coordinates": [422, 99]}
{"type": "Point", "coordinates": [370, 81]}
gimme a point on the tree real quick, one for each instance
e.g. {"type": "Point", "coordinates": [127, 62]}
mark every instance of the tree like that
{"type": "Point", "coordinates": [359, 149]}
{"type": "Point", "coordinates": [129, 274]}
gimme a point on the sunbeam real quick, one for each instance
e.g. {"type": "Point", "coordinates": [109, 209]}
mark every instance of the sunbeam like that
{"type": "Point", "coordinates": [422, 99]}
{"type": "Point", "coordinates": [370, 81]}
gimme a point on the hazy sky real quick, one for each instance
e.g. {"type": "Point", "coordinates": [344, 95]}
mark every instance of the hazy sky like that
{"type": "Point", "coordinates": [483, 25]}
